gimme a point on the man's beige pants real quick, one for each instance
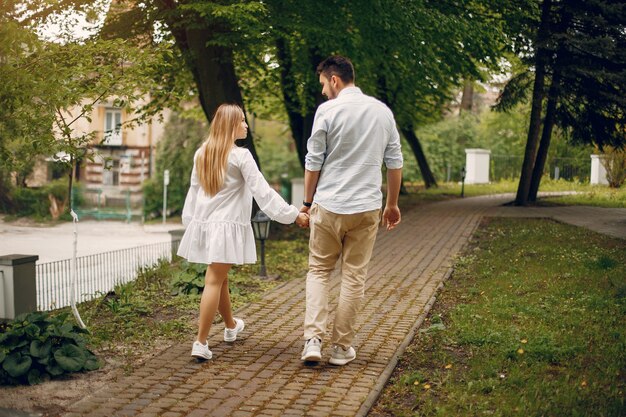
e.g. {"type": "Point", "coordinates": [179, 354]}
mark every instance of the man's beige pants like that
{"type": "Point", "coordinates": [352, 236]}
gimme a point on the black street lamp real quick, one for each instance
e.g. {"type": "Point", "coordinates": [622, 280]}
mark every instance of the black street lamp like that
{"type": "Point", "coordinates": [261, 228]}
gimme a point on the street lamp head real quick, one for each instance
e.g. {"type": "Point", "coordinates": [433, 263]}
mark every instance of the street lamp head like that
{"type": "Point", "coordinates": [261, 225]}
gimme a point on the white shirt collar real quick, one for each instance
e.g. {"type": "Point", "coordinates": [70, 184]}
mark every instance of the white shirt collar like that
{"type": "Point", "coordinates": [350, 90]}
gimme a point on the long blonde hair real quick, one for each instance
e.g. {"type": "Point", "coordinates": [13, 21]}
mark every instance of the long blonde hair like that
{"type": "Point", "coordinates": [213, 159]}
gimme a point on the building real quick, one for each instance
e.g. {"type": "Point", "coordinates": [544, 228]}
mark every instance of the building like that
{"type": "Point", "coordinates": [122, 157]}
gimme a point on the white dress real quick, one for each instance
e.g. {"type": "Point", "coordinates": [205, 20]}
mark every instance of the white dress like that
{"type": "Point", "coordinates": [218, 228]}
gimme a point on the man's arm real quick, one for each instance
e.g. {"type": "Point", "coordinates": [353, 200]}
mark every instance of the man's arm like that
{"type": "Point", "coordinates": [310, 185]}
{"type": "Point", "coordinates": [391, 215]}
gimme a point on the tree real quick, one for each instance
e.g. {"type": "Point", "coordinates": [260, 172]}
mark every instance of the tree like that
{"type": "Point", "coordinates": [182, 136]}
{"type": "Point", "coordinates": [206, 35]}
{"type": "Point", "coordinates": [580, 52]}
{"type": "Point", "coordinates": [48, 88]}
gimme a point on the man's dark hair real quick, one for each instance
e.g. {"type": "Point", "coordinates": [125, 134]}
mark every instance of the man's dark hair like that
{"type": "Point", "coordinates": [337, 65]}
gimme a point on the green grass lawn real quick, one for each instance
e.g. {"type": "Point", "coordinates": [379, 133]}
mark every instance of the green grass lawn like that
{"type": "Point", "coordinates": [531, 323]}
{"type": "Point", "coordinates": [586, 194]}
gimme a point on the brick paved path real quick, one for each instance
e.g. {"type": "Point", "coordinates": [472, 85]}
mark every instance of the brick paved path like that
{"type": "Point", "coordinates": [261, 374]}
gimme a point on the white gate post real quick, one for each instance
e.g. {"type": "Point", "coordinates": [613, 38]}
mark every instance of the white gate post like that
{"type": "Point", "coordinates": [477, 166]}
{"type": "Point", "coordinates": [598, 171]}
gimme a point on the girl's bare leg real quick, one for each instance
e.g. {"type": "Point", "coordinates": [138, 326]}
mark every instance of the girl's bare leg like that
{"type": "Point", "coordinates": [224, 306]}
{"type": "Point", "coordinates": [216, 275]}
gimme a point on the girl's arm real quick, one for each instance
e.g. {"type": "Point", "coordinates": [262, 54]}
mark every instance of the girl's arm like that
{"type": "Point", "coordinates": [268, 199]}
{"type": "Point", "coordinates": [192, 194]}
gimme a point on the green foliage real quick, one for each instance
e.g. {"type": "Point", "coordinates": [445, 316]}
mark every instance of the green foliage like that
{"type": "Point", "coordinates": [38, 346]}
{"type": "Point", "coordinates": [183, 135]}
{"type": "Point", "coordinates": [275, 150]}
{"type": "Point", "coordinates": [189, 280]}
{"type": "Point", "coordinates": [49, 88]}
{"type": "Point", "coordinates": [34, 202]}
{"type": "Point", "coordinates": [502, 133]}
{"type": "Point", "coordinates": [534, 325]}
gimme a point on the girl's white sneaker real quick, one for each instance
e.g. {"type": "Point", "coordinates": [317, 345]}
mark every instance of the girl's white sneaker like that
{"type": "Point", "coordinates": [230, 335]}
{"type": "Point", "coordinates": [201, 351]}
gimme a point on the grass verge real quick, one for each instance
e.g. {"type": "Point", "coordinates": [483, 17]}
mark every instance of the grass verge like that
{"type": "Point", "coordinates": [586, 194]}
{"type": "Point", "coordinates": [532, 322]}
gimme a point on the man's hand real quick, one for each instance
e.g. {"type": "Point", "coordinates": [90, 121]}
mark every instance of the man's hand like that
{"type": "Point", "coordinates": [305, 209]}
{"type": "Point", "coordinates": [302, 220]}
{"type": "Point", "coordinates": [391, 217]}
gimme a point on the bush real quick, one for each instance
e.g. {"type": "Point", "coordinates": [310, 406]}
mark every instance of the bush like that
{"type": "Point", "coordinates": [37, 346]}
{"type": "Point", "coordinates": [189, 280]}
{"type": "Point", "coordinates": [615, 165]}
{"type": "Point", "coordinates": [34, 202]}
{"type": "Point", "coordinates": [181, 139]}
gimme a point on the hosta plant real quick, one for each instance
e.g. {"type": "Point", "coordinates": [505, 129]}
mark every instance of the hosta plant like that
{"type": "Point", "coordinates": [190, 279]}
{"type": "Point", "coordinates": [38, 346]}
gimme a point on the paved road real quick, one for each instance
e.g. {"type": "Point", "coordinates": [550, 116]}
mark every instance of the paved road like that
{"type": "Point", "coordinates": [54, 243]}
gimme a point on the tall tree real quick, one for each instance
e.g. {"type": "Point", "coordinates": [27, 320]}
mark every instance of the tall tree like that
{"type": "Point", "coordinates": [541, 58]}
{"type": "Point", "coordinates": [48, 88]}
{"type": "Point", "coordinates": [206, 35]}
{"type": "Point", "coordinates": [581, 58]}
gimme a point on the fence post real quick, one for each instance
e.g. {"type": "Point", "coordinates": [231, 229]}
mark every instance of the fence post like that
{"type": "Point", "coordinates": [18, 282]}
{"type": "Point", "coordinates": [176, 235]}
{"type": "Point", "coordinates": [598, 171]}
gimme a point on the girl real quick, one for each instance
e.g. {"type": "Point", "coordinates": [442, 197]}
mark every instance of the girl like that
{"type": "Point", "coordinates": [217, 215]}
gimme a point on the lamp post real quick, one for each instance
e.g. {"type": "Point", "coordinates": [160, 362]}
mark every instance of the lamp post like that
{"type": "Point", "coordinates": [261, 228]}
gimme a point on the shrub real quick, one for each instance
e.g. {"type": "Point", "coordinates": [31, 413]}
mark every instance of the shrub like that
{"type": "Point", "coordinates": [615, 165]}
{"type": "Point", "coordinates": [189, 280]}
{"type": "Point", "coordinates": [34, 202]}
{"type": "Point", "coordinates": [37, 346]}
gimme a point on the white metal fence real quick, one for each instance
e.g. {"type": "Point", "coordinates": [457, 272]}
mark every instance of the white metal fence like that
{"type": "Point", "coordinates": [96, 274]}
{"type": "Point", "coordinates": [509, 167]}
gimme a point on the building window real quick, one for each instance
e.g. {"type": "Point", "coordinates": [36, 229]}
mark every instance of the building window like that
{"type": "Point", "coordinates": [111, 172]}
{"type": "Point", "coordinates": [113, 127]}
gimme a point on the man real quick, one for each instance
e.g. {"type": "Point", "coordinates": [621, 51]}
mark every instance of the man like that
{"type": "Point", "coordinates": [353, 134]}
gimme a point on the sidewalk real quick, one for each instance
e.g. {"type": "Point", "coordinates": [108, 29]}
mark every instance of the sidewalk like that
{"type": "Point", "coordinates": [261, 374]}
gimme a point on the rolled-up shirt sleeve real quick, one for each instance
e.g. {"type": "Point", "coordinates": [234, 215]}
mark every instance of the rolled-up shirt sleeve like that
{"type": "Point", "coordinates": [190, 201]}
{"type": "Point", "coordinates": [268, 199]}
{"type": "Point", "coordinates": [393, 152]}
{"type": "Point", "coordinates": [316, 145]}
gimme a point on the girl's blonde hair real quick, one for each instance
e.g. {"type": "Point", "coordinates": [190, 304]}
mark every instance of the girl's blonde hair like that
{"type": "Point", "coordinates": [212, 162]}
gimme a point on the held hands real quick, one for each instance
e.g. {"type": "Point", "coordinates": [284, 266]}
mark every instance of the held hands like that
{"type": "Point", "coordinates": [302, 220]}
{"type": "Point", "coordinates": [391, 217]}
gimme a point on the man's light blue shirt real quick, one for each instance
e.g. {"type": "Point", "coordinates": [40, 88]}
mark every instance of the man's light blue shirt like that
{"type": "Point", "coordinates": [352, 136]}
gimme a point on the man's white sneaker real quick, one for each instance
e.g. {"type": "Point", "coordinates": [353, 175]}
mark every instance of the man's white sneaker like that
{"type": "Point", "coordinates": [201, 351]}
{"type": "Point", "coordinates": [341, 356]}
{"type": "Point", "coordinates": [230, 335]}
{"type": "Point", "coordinates": [312, 351]}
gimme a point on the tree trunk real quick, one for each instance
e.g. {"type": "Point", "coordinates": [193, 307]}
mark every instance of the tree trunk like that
{"type": "Point", "coordinates": [214, 72]}
{"type": "Point", "coordinates": [530, 153]}
{"type": "Point", "coordinates": [546, 136]}
{"type": "Point", "coordinates": [211, 65]}
{"type": "Point", "coordinates": [550, 119]}
{"type": "Point", "coordinates": [409, 134]}
{"type": "Point", "coordinates": [416, 147]}
{"type": "Point", "coordinates": [467, 100]}
{"type": "Point", "coordinates": [301, 124]}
